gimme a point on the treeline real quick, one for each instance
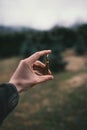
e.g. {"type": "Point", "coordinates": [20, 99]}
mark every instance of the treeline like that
{"type": "Point", "coordinates": [10, 44]}
{"type": "Point", "coordinates": [57, 39]}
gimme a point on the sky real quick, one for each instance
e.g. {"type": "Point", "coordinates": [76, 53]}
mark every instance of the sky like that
{"type": "Point", "coordinates": [42, 14]}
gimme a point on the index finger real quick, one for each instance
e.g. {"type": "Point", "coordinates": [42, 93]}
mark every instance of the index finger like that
{"type": "Point", "coordinates": [37, 55]}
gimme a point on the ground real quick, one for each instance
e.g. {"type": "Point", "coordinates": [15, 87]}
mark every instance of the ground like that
{"type": "Point", "coordinates": [60, 104]}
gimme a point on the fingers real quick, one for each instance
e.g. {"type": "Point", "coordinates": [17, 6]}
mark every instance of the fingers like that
{"type": "Point", "coordinates": [37, 73]}
{"type": "Point", "coordinates": [40, 67]}
{"type": "Point", "coordinates": [37, 55]}
{"type": "Point", "coordinates": [38, 63]}
{"type": "Point", "coordinates": [46, 78]}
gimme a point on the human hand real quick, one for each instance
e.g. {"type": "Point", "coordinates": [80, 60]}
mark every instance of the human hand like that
{"type": "Point", "coordinates": [30, 72]}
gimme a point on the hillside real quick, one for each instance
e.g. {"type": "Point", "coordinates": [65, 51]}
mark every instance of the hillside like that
{"type": "Point", "coordinates": [58, 104]}
{"type": "Point", "coordinates": [7, 67]}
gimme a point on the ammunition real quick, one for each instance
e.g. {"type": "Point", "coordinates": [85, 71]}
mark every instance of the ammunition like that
{"type": "Point", "coordinates": [47, 64]}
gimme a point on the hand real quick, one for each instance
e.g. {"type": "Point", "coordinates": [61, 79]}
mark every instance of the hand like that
{"type": "Point", "coordinates": [30, 72]}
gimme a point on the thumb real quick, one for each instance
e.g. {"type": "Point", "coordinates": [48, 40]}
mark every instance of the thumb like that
{"type": "Point", "coordinates": [46, 78]}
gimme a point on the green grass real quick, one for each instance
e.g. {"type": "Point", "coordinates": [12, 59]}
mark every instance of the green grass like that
{"type": "Point", "coordinates": [47, 107]}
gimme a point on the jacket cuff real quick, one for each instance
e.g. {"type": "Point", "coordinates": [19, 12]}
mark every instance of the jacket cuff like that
{"type": "Point", "coordinates": [12, 96]}
{"type": "Point", "coordinates": [8, 99]}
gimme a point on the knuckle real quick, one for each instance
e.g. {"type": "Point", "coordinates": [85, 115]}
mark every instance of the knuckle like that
{"type": "Point", "coordinates": [23, 62]}
{"type": "Point", "coordinates": [38, 53]}
{"type": "Point", "coordinates": [36, 80]}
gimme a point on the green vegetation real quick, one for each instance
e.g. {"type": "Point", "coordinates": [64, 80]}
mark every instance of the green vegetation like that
{"type": "Point", "coordinates": [48, 107]}
{"type": "Point", "coordinates": [58, 39]}
{"type": "Point", "coordinates": [10, 44]}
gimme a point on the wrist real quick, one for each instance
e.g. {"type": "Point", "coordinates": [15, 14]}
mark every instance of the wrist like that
{"type": "Point", "coordinates": [17, 85]}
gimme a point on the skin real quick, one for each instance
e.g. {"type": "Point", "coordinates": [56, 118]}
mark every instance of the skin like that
{"type": "Point", "coordinates": [30, 72]}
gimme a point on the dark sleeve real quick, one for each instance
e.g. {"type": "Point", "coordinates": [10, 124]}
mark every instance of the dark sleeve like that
{"type": "Point", "coordinates": [8, 99]}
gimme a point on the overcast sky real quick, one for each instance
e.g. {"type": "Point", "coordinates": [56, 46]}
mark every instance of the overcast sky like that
{"type": "Point", "coordinates": [42, 14]}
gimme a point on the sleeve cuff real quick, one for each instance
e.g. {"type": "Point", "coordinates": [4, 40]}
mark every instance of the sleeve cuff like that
{"type": "Point", "coordinates": [12, 96]}
{"type": "Point", "coordinates": [9, 98]}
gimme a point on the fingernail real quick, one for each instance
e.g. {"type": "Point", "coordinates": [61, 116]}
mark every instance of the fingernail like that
{"type": "Point", "coordinates": [50, 50]}
{"type": "Point", "coordinates": [51, 77]}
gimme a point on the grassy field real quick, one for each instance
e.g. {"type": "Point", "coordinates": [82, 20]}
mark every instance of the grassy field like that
{"type": "Point", "coordinates": [49, 106]}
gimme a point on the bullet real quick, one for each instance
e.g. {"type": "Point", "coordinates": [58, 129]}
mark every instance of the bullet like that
{"type": "Point", "coordinates": [47, 64]}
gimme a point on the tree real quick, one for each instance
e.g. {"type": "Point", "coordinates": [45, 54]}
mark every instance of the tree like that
{"type": "Point", "coordinates": [80, 47]}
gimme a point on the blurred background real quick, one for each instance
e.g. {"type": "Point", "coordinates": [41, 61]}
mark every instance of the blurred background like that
{"type": "Point", "coordinates": [27, 26]}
